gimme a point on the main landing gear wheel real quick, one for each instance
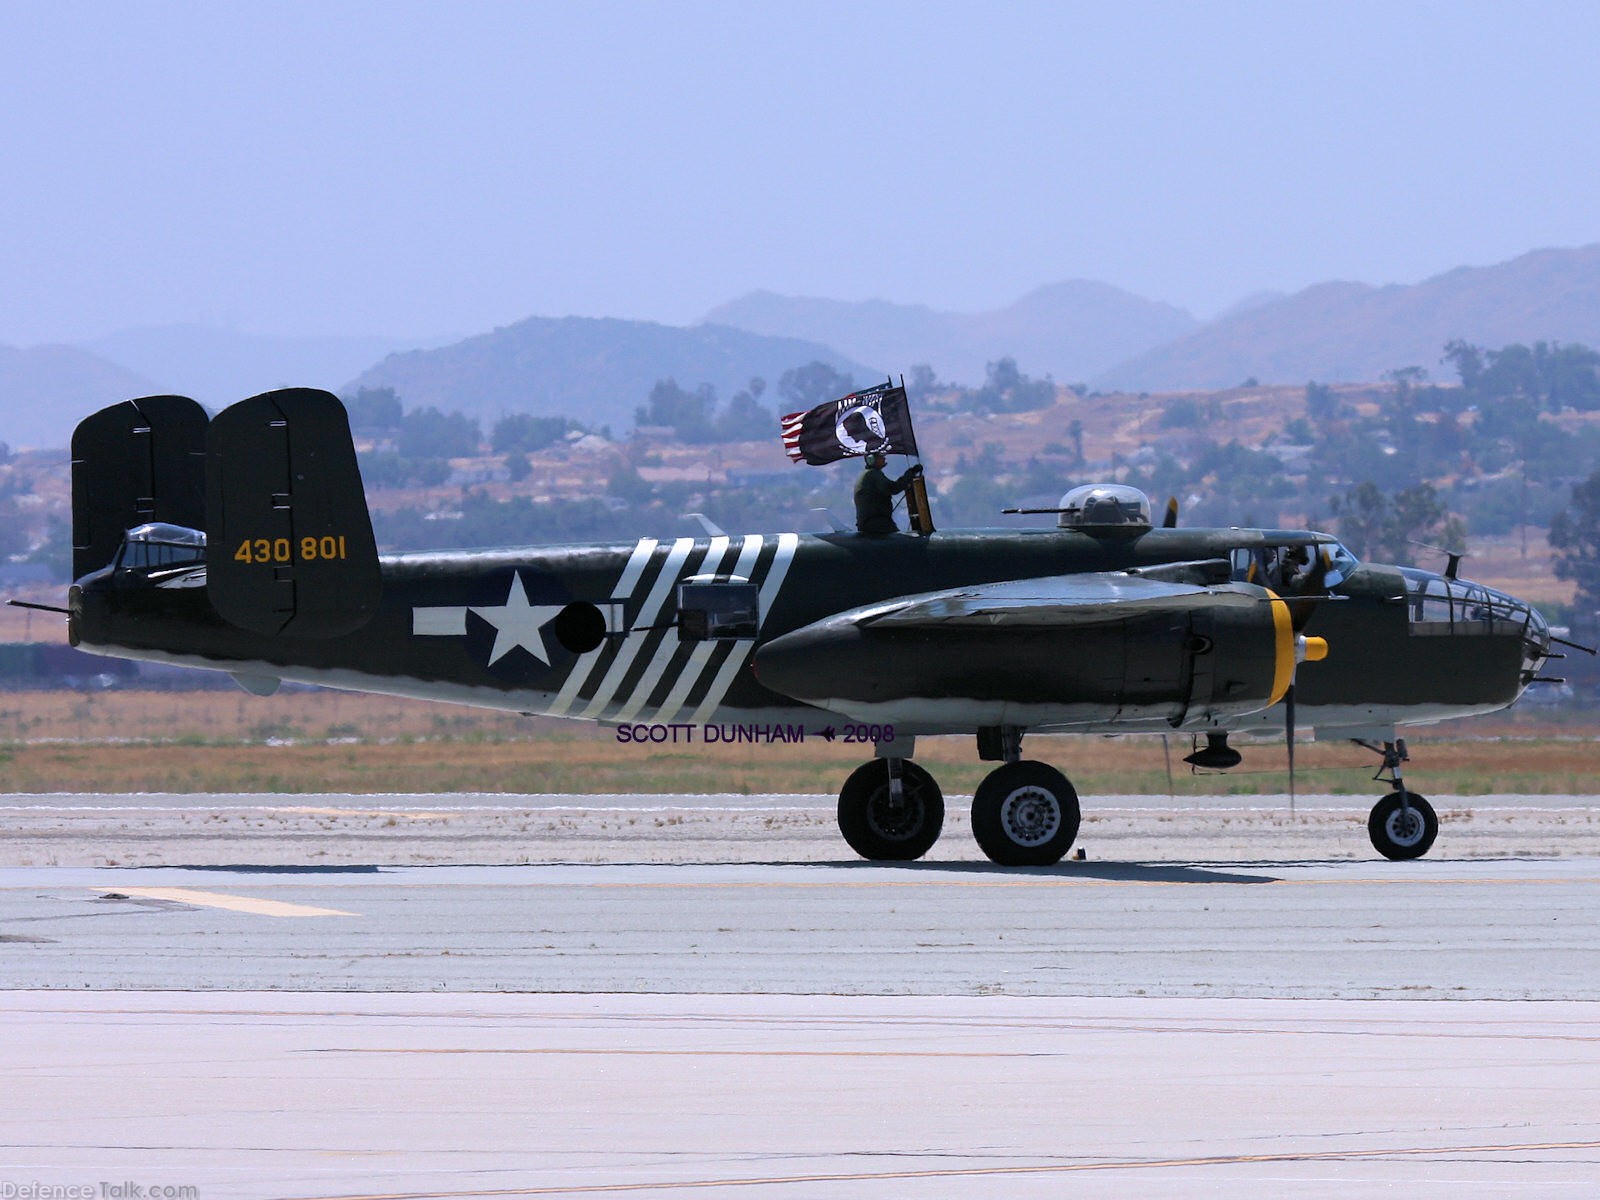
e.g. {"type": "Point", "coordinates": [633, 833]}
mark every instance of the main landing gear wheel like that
{"type": "Point", "coordinates": [1025, 814]}
{"type": "Point", "coordinates": [880, 828]}
{"type": "Point", "coordinates": [1402, 831]}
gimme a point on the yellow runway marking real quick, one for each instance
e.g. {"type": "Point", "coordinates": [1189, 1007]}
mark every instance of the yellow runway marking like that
{"type": "Point", "coordinates": [1217, 1160]}
{"type": "Point", "coordinates": [244, 904]}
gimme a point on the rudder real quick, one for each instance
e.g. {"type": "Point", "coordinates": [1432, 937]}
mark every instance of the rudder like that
{"type": "Point", "coordinates": [290, 548]}
{"type": "Point", "coordinates": [139, 461]}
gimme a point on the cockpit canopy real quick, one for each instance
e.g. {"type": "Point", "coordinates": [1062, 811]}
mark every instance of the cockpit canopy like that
{"type": "Point", "coordinates": [1103, 506]}
{"type": "Point", "coordinates": [159, 546]}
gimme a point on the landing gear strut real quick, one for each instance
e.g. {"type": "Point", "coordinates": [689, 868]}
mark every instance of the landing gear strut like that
{"type": "Point", "coordinates": [1403, 824]}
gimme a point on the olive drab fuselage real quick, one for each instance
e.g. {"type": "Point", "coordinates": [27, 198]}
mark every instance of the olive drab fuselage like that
{"type": "Point", "coordinates": [242, 543]}
{"type": "Point", "coordinates": [598, 631]}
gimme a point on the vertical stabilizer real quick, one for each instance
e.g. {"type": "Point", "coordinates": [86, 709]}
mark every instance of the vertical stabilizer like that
{"type": "Point", "coordinates": [139, 461]}
{"type": "Point", "coordinates": [289, 541]}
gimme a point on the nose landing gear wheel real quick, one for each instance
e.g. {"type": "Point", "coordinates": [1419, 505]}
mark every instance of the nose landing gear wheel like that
{"type": "Point", "coordinates": [1025, 814]}
{"type": "Point", "coordinates": [882, 830]}
{"type": "Point", "coordinates": [1402, 832]}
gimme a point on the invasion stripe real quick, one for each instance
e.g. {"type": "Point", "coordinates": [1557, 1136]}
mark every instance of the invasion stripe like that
{"type": "Point", "coordinates": [669, 646]}
{"type": "Point", "coordinates": [736, 660]}
{"type": "Point", "coordinates": [647, 617]}
{"type": "Point", "coordinates": [649, 577]}
{"type": "Point", "coordinates": [749, 552]}
{"type": "Point", "coordinates": [688, 662]}
{"type": "Point", "coordinates": [762, 554]}
{"type": "Point", "coordinates": [787, 543]}
{"type": "Point", "coordinates": [698, 693]}
{"type": "Point", "coordinates": [578, 674]}
{"type": "Point", "coordinates": [660, 636]}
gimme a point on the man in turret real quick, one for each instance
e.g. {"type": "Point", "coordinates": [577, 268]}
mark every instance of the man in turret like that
{"type": "Point", "coordinates": [875, 493]}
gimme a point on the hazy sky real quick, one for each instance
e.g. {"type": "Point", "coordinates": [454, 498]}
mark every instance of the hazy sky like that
{"type": "Point", "coordinates": [408, 168]}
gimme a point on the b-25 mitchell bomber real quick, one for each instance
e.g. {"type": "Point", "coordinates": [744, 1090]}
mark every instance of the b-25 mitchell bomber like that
{"type": "Point", "coordinates": [243, 544]}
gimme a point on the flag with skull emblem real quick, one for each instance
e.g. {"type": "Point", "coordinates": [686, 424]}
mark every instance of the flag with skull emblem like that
{"type": "Point", "coordinates": [876, 419]}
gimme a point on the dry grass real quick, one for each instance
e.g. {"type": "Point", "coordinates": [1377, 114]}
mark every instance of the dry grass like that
{"type": "Point", "coordinates": [318, 741]}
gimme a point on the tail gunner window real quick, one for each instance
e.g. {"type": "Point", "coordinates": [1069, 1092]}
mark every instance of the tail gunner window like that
{"type": "Point", "coordinates": [157, 546]}
{"type": "Point", "coordinates": [715, 611]}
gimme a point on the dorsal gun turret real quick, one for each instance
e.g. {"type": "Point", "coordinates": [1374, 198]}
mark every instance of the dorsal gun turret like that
{"type": "Point", "coordinates": [1105, 508]}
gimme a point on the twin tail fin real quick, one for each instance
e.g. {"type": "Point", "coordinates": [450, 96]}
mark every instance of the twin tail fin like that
{"type": "Point", "coordinates": [272, 481]}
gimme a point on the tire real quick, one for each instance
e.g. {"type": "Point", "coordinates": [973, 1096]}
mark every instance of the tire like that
{"type": "Point", "coordinates": [1394, 835]}
{"type": "Point", "coordinates": [875, 827]}
{"type": "Point", "coordinates": [1025, 814]}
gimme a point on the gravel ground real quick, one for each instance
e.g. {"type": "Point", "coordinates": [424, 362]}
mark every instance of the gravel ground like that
{"type": "Point", "coordinates": [173, 830]}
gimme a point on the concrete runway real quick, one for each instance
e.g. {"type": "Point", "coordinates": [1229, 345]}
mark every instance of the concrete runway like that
{"type": "Point", "coordinates": [1498, 930]}
{"type": "Point", "coordinates": [719, 1003]}
{"type": "Point", "coordinates": [243, 1095]}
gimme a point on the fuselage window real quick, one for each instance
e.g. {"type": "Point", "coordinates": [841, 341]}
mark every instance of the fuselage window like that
{"type": "Point", "coordinates": [717, 611]}
{"type": "Point", "coordinates": [1245, 569]}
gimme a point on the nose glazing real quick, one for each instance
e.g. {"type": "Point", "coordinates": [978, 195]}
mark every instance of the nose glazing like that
{"type": "Point", "coordinates": [1461, 608]}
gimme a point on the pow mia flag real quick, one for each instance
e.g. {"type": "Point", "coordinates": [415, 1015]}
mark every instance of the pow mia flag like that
{"type": "Point", "coordinates": [876, 419]}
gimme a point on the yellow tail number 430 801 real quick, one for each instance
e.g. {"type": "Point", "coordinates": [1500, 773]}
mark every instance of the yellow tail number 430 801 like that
{"type": "Point", "coordinates": [282, 550]}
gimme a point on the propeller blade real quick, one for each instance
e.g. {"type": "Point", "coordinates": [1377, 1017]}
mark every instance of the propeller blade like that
{"type": "Point", "coordinates": [1288, 728]}
{"type": "Point", "coordinates": [1170, 521]}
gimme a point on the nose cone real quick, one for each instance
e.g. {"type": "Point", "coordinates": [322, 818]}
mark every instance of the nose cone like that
{"type": "Point", "coordinates": [1505, 613]}
{"type": "Point", "coordinates": [1497, 633]}
{"type": "Point", "coordinates": [1535, 641]}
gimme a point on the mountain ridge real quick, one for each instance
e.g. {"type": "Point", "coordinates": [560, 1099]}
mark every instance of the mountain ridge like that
{"type": "Point", "coordinates": [1072, 329]}
{"type": "Point", "coordinates": [600, 370]}
{"type": "Point", "coordinates": [219, 366]}
{"type": "Point", "coordinates": [1342, 331]}
{"type": "Point", "coordinates": [596, 369]}
{"type": "Point", "coordinates": [46, 390]}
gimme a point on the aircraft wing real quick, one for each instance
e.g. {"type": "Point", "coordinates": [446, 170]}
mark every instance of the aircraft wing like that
{"type": "Point", "coordinates": [1056, 600]}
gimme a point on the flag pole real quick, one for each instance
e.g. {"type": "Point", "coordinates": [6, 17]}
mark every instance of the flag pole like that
{"type": "Point", "coordinates": [921, 514]}
{"type": "Point", "coordinates": [910, 494]}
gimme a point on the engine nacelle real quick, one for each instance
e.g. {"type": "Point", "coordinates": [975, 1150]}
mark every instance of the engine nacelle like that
{"type": "Point", "coordinates": [1041, 653]}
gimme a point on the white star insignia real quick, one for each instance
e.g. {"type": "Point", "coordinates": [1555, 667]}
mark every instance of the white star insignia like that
{"type": "Point", "coordinates": [518, 623]}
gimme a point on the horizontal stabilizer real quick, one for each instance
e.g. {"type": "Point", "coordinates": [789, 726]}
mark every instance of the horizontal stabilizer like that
{"type": "Point", "coordinates": [133, 463]}
{"type": "Point", "coordinates": [289, 541]}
